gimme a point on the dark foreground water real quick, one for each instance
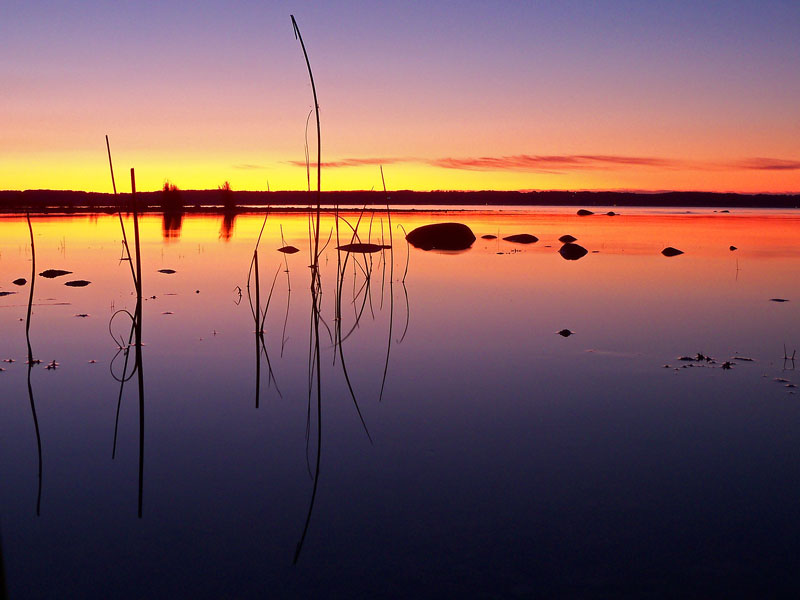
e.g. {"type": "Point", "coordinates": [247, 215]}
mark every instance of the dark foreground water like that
{"type": "Point", "coordinates": [496, 459]}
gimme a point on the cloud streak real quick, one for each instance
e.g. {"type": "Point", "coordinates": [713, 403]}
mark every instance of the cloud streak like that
{"type": "Point", "coordinates": [353, 162]}
{"type": "Point", "coordinates": [565, 163]}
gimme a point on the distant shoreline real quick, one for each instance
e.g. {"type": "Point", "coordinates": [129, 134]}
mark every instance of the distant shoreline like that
{"type": "Point", "coordinates": [220, 200]}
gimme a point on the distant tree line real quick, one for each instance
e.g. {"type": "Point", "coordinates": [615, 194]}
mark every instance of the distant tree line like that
{"type": "Point", "coordinates": [171, 199]}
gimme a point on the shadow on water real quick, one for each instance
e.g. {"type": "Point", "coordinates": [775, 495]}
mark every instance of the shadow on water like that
{"type": "Point", "coordinates": [171, 224]}
{"type": "Point", "coordinates": [226, 227]}
{"type": "Point", "coordinates": [32, 361]}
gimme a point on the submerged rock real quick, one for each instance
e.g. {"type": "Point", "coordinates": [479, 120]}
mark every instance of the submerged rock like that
{"type": "Point", "coordinates": [20, 281]}
{"type": "Point", "coordinates": [567, 239]}
{"type": "Point", "coordinates": [167, 271]}
{"type": "Point", "coordinates": [584, 213]}
{"type": "Point", "coordinates": [571, 251]}
{"type": "Point", "coordinates": [488, 236]}
{"type": "Point", "coordinates": [288, 249]}
{"type": "Point", "coordinates": [361, 248]}
{"type": "Point", "coordinates": [442, 236]}
{"type": "Point", "coordinates": [521, 238]}
{"type": "Point", "coordinates": [51, 273]}
{"type": "Point", "coordinates": [78, 283]}
{"type": "Point", "coordinates": [670, 251]}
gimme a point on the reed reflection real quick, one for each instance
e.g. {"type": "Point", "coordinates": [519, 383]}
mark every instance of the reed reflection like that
{"type": "Point", "coordinates": [33, 361]}
{"type": "Point", "coordinates": [259, 316]}
{"type": "Point", "coordinates": [134, 341]}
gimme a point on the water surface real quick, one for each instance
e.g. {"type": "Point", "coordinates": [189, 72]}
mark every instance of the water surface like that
{"type": "Point", "coordinates": [495, 459]}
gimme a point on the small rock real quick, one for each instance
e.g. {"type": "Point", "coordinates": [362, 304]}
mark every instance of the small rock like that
{"type": "Point", "coordinates": [521, 238]}
{"type": "Point", "coordinates": [732, 248]}
{"type": "Point", "coordinates": [288, 249]}
{"type": "Point", "coordinates": [584, 213]}
{"type": "Point", "coordinates": [167, 271]}
{"type": "Point", "coordinates": [778, 300]}
{"type": "Point", "coordinates": [566, 239]}
{"type": "Point", "coordinates": [727, 365]}
{"type": "Point", "coordinates": [78, 283]}
{"type": "Point", "coordinates": [611, 213]}
{"type": "Point", "coordinates": [488, 236]}
{"type": "Point", "coordinates": [360, 248]}
{"type": "Point", "coordinates": [20, 281]}
{"type": "Point", "coordinates": [82, 315]}
{"type": "Point", "coordinates": [565, 333]}
{"type": "Point", "coordinates": [670, 251]}
{"type": "Point", "coordinates": [51, 273]}
{"type": "Point", "coordinates": [6, 293]}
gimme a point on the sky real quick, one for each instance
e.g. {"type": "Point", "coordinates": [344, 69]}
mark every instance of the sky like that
{"type": "Point", "coordinates": [445, 95]}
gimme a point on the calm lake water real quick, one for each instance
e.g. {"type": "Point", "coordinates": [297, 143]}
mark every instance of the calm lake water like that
{"type": "Point", "coordinates": [496, 458]}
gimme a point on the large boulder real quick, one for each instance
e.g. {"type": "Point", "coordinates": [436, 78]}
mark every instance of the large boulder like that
{"type": "Point", "coordinates": [571, 251]}
{"type": "Point", "coordinates": [442, 236]}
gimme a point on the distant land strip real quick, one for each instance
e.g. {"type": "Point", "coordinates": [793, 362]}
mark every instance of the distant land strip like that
{"type": "Point", "coordinates": [221, 200]}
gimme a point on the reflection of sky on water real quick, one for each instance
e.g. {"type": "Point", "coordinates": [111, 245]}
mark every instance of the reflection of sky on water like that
{"type": "Point", "coordinates": [506, 458]}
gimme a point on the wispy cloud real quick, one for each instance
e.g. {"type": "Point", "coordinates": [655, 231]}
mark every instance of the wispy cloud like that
{"type": "Point", "coordinates": [564, 163]}
{"type": "Point", "coordinates": [553, 163]}
{"type": "Point", "coordinates": [770, 164]}
{"type": "Point", "coordinates": [249, 167]}
{"type": "Point", "coordinates": [353, 162]}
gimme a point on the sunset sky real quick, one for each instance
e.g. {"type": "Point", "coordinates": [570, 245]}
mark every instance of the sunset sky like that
{"type": "Point", "coordinates": [446, 95]}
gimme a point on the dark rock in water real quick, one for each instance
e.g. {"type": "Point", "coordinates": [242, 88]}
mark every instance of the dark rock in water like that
{"type": "Point", "coordinates": [670, 251]}
{"type": "Point", "coordinates": [725, 211]}
{"type": "Point", "coordinates": [489, 236]}
{"type": "Point", "coordinates": [51, 273]}
{"type": "Point", "coordinates": [78, 283]}
{"type": "Point", "coordinates": [522, 238]}
{"type": "Point", "coordinates": [167, 271]}
{"type": "Point", "coordinates": [732, 248]}
{"type": "Point", "coordinates": [6, 293]}
{"type": "Point", "coordinates": [584, 213]}
{"type": "Point", "coordinates": [288, 250]}
{"type": "Point", "coordinates": [778, 300]}
{"type": "Point", "coordinates": [565, 332]}
{"type": "Point", "coordinates": [567, 239]}
{"type": "Point", "coordinates": [442, 236]}
{"type": "Point", "coordinates": [361, 248]}
{"type": "Point", "coordinates": [611, 213]}
{"type": "Point", "coordinates": [20, 281]}
{"type": "Point", "coordinates": [572, 251]}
